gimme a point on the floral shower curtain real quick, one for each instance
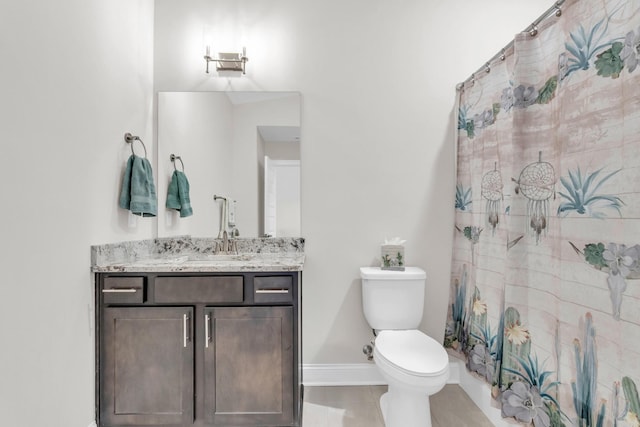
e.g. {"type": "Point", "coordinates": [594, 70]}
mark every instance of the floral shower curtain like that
{"type": "Point", "coordinates": [545, 289]}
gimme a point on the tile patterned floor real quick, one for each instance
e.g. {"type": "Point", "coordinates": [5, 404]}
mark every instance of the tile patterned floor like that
{"type": "Point", "coordinates": [358, 407]}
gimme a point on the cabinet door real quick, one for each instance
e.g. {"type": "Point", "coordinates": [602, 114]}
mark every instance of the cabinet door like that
{"type": "Point", "coordinates": [146, 373]}
{"type": "Point", "coordinates": [249, 366]}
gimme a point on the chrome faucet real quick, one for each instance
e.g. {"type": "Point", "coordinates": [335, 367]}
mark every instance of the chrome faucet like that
{"type": "Point", "coordinates": [227, 217]}
{"type": "Point", "coordinates": [225, 241]}
{"type": "Point", "coordinates": [223, 215]}
{"type": "Point", "coordinates": [226, 246]}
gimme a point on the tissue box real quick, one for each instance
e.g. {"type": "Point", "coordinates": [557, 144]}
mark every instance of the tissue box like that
{"type": "Point", "coordinates": [392, 257]}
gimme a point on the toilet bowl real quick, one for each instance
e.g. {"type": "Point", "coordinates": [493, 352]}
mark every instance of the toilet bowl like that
{"type": "Point", "coordinates": [413, 364]}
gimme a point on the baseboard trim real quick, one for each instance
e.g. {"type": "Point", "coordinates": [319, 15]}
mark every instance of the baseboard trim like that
{"type": "Point", "coordinates": [93, 424]}
{"type": "Point", "coordinates": [341, 374]}
{"type": "Point", "coordinates": [355, 374]}
{"type": "Point", "coordinates": [454, 371]}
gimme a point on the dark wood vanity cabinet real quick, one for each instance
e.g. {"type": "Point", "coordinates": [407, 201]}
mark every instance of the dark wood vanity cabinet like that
{"type": "Point", "coordinates": [196, 349]}
{"type": "Point", "coordinates": [248, 366]}
{"type": "Point", "coordinates": [147, 366]}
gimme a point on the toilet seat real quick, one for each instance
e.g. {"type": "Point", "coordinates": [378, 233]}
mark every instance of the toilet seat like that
{"type": "Point", "coordinates": [412, 352]}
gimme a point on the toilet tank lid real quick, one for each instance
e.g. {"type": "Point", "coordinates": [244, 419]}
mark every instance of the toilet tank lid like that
{"type": "Point", "coordinates": [376, 273]}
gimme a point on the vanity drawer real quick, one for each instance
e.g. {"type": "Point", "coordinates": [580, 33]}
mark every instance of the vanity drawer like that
{"type": "Point", "coordinates": [273, 289]}
{"type": "Point", "coordinates": [123, 290]}
{"type": "Point", "coordinates": [200, 289]}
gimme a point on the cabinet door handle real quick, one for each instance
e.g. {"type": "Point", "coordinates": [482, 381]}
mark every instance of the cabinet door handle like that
{"type": "Point", "coordinates": [272, 291]}
{"type": "Point", "coordinates": [207, 336]}
{"type": "Point", "coordinates": [119, 291]}
{"type": "Point", "coordinates": [185, 319]}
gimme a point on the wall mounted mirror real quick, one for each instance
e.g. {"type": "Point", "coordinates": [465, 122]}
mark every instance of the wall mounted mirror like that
{"type": "Point", "coordinates": [244, 146]}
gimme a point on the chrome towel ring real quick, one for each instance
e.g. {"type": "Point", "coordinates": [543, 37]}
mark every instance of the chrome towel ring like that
{"type": "Point", "coordinates": [173, 159]}
{"type": "Point", "coordinates": [128, 138]}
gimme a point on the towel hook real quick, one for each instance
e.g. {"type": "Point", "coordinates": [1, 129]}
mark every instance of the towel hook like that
{"type": "Point", "coordinates": [173, 159]}
{"type": "Point", "coordinates": [128, 138]}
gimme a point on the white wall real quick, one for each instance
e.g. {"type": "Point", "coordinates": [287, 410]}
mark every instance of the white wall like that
{"type": "Point", "coordinates": [287, 197]}
{"type": "Point", "coordinates": [75, 76]}
{"type": "Point", "coordinates": [285, 150]}
{"type": "Point", "coordinates": [378, 85]}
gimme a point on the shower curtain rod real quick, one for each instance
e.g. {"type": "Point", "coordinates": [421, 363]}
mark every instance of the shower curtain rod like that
{"type": "Point", "coordinates": [531, 29]}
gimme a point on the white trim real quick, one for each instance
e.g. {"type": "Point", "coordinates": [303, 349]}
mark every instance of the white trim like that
{"type": "Point", "coordinates": [356, 374]}
{"type": "Point", "coordinates": [341, 374]}
{"type": "Point", "coordinates": [454, 371]}
{"type": "Point", "coordinates": [93, 424]}
{"type": "Point", "coordinates": [285, 163]}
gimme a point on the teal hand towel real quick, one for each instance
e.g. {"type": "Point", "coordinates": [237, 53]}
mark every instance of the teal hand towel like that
{"type": "Point", "coordinates": [138, 193]}
{"type": "Point", "coordinates": [178, 194]}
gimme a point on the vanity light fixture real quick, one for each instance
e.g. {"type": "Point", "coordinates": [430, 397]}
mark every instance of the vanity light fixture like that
{"type": "Point", "coordinates": [227, 61]}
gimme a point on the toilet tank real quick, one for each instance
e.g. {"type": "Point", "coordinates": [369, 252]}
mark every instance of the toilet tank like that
{"type": "Point", "coordinates": [393, 299]}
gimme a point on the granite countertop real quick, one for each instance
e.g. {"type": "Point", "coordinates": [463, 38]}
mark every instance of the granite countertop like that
{"type": "Point", "coordinates": [187, 254]}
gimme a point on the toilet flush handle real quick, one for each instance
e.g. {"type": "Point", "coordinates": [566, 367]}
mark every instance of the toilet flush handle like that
{"type": "Point", "coordinates": [368, 348]}
{"type": "Point", "coordinates": [368, 351]}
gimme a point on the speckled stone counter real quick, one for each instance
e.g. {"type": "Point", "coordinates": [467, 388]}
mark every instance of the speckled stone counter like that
{"type": "Point", "coordinates": [191, 254]}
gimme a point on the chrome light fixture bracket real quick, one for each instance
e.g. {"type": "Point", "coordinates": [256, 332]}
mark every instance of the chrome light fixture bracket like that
{"type": "Point", "coordinates": [228, 61]}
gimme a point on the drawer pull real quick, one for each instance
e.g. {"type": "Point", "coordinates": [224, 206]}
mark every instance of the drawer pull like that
{"type": "Point", "coordinates": [185, 319]}
{"type": "Point", "coordinates": [272, 291]}
{"type": "Point", "coordinates": [119, 291]}
{"type": "Point", "coordinates": [207, 336]}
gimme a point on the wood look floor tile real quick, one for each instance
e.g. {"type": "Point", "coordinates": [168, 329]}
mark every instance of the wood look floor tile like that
{"type": "Point", "coordinates": [452, 407]}
{"type": "Point", "coordinates": [358, 406]}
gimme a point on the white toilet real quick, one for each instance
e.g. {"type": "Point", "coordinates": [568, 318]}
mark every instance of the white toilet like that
{"type": "Point", "coordinates": [414, 364]}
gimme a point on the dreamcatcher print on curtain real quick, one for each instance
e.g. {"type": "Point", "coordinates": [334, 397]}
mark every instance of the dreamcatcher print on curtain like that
{"type": "Point", "coordinates": [545, 286]}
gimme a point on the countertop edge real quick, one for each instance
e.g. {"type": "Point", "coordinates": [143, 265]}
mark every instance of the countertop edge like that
{"type": "Point", "coordinates": [159, 256]}
{"type": "Point", "coordinates": [191, 269]}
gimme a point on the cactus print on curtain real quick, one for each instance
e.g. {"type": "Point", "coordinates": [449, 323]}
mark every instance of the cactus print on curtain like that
{"type": "Point", "coordinates": [545, 286]}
